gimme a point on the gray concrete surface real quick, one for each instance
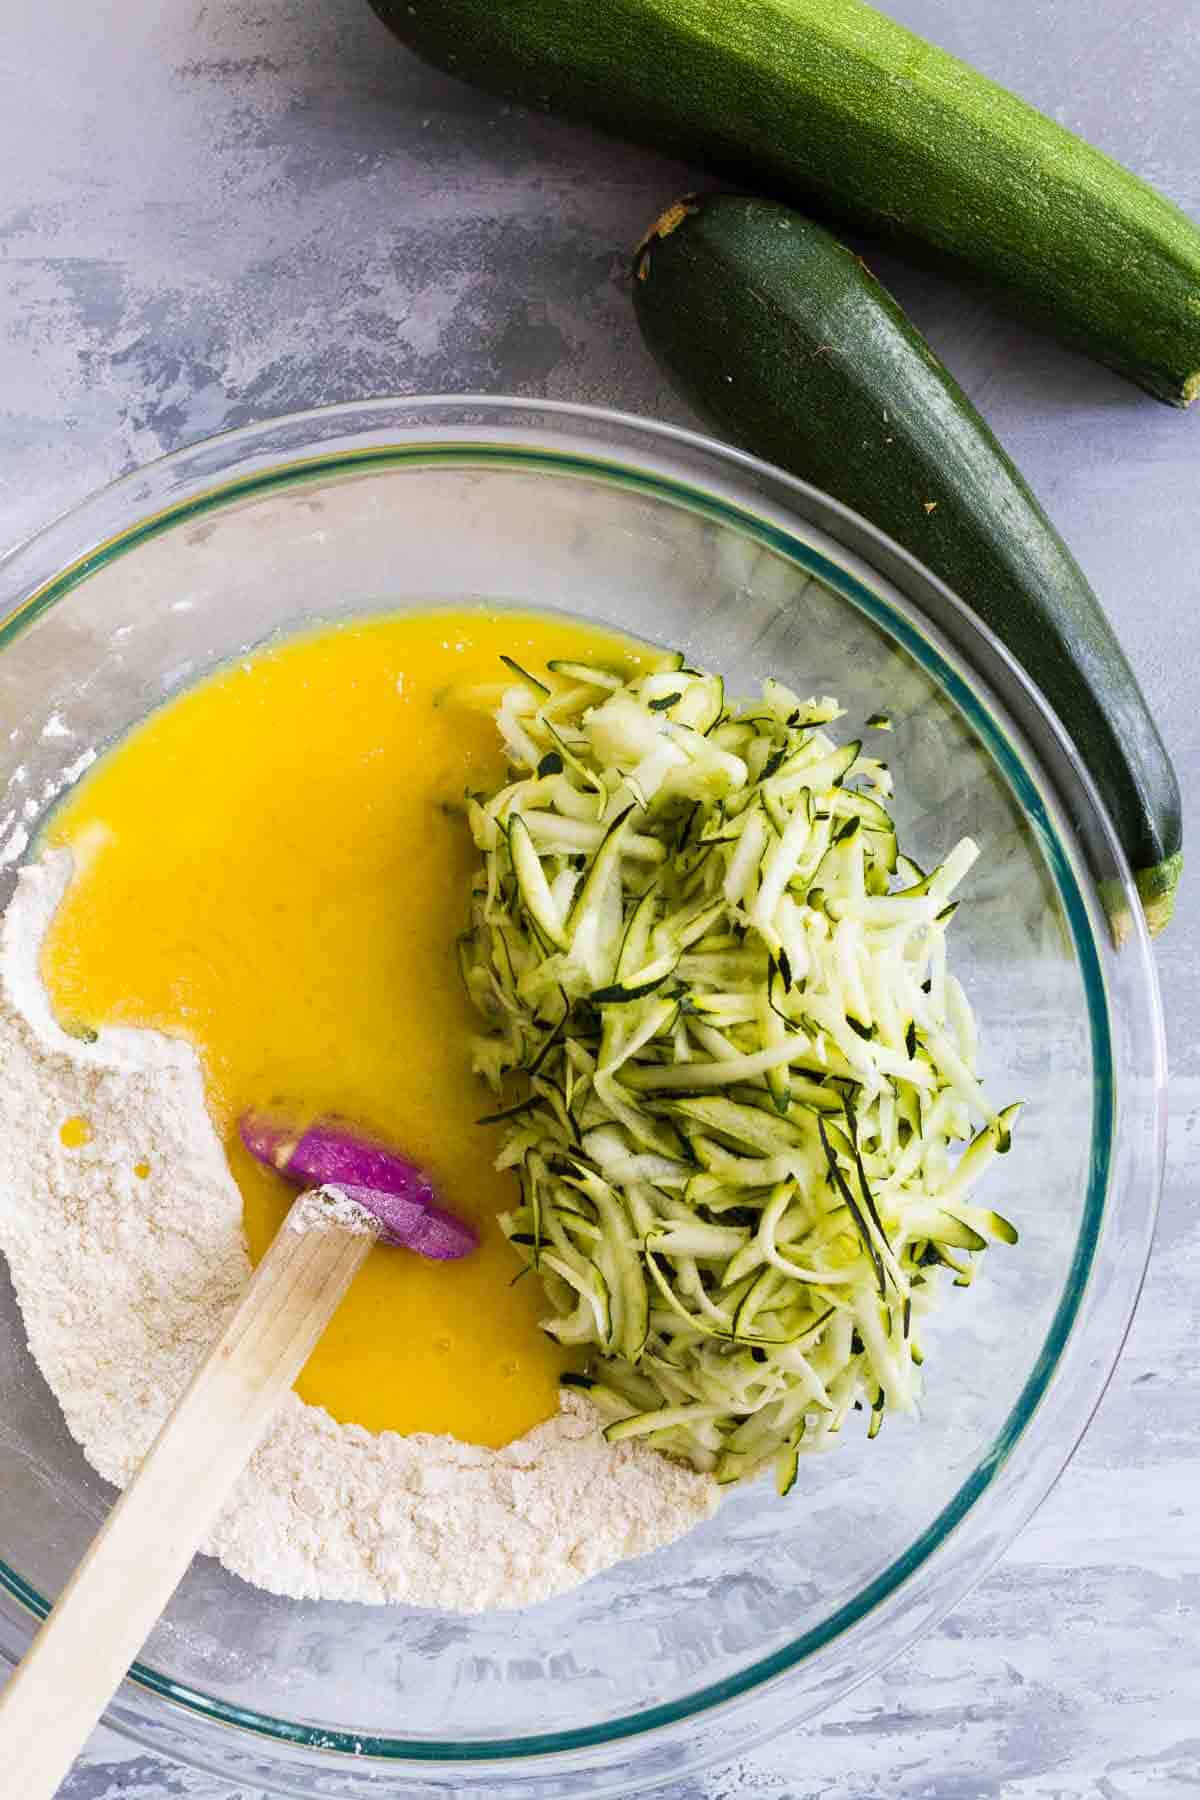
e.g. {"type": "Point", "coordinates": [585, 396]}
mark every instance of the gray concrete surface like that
{"type": "Point", "coordinates": [218, 210]}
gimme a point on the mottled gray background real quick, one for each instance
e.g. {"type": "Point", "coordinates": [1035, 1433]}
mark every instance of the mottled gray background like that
{"type": "Point", "coordinates": [213, 212]}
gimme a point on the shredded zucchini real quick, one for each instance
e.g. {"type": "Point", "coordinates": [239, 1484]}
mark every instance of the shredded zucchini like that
{"type": "Point", "coordinates": [738, 1075]}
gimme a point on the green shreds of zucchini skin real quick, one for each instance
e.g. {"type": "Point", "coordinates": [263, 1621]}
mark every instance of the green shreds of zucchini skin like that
{"type": "Point", "coordinates": [737, 1081]}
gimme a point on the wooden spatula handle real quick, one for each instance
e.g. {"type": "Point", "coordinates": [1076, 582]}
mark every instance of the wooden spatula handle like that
{"type": "Point", "coordinates": [107, 1610]}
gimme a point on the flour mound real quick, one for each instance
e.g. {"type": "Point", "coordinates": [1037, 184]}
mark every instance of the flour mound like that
{"type": "Point", "coordinates": [125, 1280]}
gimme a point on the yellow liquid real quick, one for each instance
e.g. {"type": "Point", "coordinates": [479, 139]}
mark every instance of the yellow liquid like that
{"type": "Point", "coordinates": [265, 866]}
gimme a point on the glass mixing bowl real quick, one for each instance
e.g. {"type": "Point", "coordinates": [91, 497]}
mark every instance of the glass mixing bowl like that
{"type": "Point", "coordinates": [773, 1609]}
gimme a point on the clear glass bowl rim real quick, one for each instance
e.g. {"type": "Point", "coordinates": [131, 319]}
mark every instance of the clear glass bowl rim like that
{"type": "Point", "coordinates": [414, 429]}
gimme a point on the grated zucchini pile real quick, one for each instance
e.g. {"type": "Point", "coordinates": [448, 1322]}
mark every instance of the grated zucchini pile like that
{"type": "Point", "coordinates": [740, 1073]}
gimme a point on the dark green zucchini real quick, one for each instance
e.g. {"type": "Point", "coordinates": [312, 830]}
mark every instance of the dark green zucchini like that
{"type": "Point", "coordinates": [829, 103]}
{"type": "Point", "coordinates": [782, 338]}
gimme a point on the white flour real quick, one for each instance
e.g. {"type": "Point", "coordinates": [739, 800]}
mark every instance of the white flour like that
{"type": "Point", "coordinates": [124, 1280]}
{"type": "Point", "coordinates": [326, 1206]}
